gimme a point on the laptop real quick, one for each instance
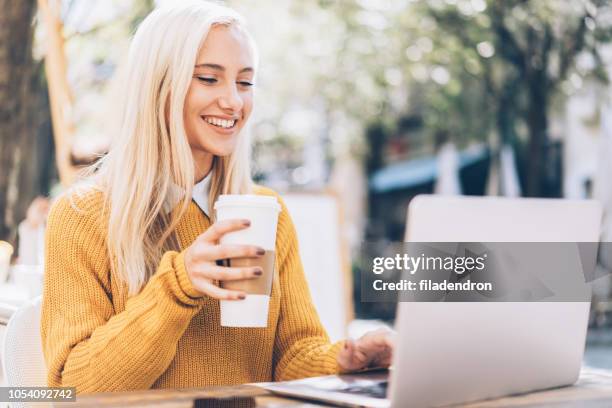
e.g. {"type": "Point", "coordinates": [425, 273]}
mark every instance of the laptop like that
{"type": "Point", "coordinates": [457, 352]}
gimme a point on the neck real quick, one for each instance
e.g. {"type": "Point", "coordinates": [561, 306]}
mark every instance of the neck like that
{"type": "Point", "coordinates": [203, 165]}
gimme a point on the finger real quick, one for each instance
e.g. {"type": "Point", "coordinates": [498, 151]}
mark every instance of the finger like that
{"type": "Point", "coordinates": [216, 292]}
{"type": "Point", "coordinates": [220, 228]}
{"type": "Point", "coordinates": [378, 348]}
{"type": "Point", "coordinates": [377, 356]}
{"type": "Point", "coordinates": [381, 340]}
{"type": "Point", "coordinates": [228, 251]}
{"type": "Point", "coordinates": [360, 359]}
{"type": "Point", "coordinates": [214, 272]}
{"type": "Point", "coordinates": [378, 338]}
{"type": "Point", "coordinates": [379, 363]}
{"type": "Point", "coordinates": [383, 358]}
{"type": "Point", "coordinates": [357, 354]}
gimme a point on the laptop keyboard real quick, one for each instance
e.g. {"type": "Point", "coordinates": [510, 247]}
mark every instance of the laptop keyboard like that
{"type": "Point", "coordinates": [376, 390]}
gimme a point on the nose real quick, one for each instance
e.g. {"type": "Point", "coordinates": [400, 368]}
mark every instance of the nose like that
{"type": "Point", "coordinates": [230, 100]}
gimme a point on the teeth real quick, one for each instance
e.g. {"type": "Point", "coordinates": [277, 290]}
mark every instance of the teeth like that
{"type": "Point", "coordinates": [220, 122]}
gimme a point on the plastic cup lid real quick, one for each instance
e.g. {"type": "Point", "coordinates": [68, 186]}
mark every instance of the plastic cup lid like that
{"type": "Point", "coordinates": [247, 200]}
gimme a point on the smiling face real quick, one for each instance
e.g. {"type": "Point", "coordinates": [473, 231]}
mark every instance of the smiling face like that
{"type": "Point", "coordinates": [220, 97]}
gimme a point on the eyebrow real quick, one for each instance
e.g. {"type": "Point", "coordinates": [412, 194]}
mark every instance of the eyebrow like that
{"type": "Point", "coordinates": [218, 67]}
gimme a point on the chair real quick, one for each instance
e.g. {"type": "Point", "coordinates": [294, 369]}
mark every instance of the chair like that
{"type": "Point", "coordinates": [317, 219]}
{"type": "Point", "coordinates": [22, 357]}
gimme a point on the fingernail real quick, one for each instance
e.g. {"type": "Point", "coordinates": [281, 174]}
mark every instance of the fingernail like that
{"type": "Point", "coordinates": [246, 223]}
{"type": "Point", "coordinates": [258, 272]}
{"type": "Point", "coordinates": [261, 251]}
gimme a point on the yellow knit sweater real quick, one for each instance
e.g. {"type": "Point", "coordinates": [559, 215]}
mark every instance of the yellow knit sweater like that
{"type": "Point", "coordinates": [97, 339]}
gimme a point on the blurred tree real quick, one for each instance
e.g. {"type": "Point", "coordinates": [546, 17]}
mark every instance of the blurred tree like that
{"type": "Point", "coordinates": [25, 146]}
{"type": "Point", "coordinates": [84, 33]}
{"type": "Point", "coordinates": [61, 99]}
{"type": "Point", "coordinates": [471, 68]}
{"type": "Point", "coordinates": [526, 51]}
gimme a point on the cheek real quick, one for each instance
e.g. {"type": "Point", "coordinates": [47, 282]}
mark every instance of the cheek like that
{"type": "Point", "coordinates": [197, 99]}
{"type": "Point", "coordinates": [247, 106]}
{"type": "Point", "coordinates": [191, 116]}
{"type": "Point", "coordinates": [188, 109]}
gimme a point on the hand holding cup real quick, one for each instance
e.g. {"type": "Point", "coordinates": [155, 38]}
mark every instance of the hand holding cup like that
{"type": "Point", "coordinates": [201, 259]}
{"type": "Point", "coordinates": [263, 212]}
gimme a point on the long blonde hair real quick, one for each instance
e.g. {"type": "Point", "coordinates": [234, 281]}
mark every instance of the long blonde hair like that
{"type": "Point", "coordinates": [150, 156]}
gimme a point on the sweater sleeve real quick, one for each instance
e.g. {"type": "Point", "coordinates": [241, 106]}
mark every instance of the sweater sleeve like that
{"type": "Point", "coordinates": [85, 343]}
{"type": "Point", "coordinates": [302, 347]}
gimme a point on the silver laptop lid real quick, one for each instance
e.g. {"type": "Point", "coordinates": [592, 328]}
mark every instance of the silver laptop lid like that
{"type": "Point", "coordinates": [458, 352]}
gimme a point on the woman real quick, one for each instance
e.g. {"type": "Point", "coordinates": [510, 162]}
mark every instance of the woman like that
{"type": "Point", "coordinates": [130, 299]}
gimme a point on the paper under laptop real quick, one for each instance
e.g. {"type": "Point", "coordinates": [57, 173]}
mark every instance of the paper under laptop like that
{"type": "Point", "coordinates": [367, 389]}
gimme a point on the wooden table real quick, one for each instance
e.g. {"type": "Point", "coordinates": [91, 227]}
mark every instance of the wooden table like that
{"type": "Point", "coordinates": [593, 389]}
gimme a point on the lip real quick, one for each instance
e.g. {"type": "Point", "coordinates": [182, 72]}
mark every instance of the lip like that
{"type": "Point", "coordinates": [220, 130]}
{"type": "Point", "coordinates": [224, 117]}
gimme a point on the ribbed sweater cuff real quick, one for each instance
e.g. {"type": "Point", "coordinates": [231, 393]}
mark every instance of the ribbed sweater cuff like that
{"type": "Point", "coordinates": [334, 351]}
{"type": "Point", "coordinates": [183, 278]}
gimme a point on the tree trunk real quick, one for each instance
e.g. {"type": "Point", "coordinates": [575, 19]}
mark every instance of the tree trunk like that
{"type": "Point", "coordinates": [22, 112]}
{"type": "Point", "coordinates": [537, 125]}
{"type": "Point", "coordinates": [61, 100]}
{"type": "Point", "coordinates": [507, 102]}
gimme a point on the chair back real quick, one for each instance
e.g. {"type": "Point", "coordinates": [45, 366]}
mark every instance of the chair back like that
{"type": "Point", "coordinates": [23, 362]}
{"type": "Point", "coordinates": [318, 223]}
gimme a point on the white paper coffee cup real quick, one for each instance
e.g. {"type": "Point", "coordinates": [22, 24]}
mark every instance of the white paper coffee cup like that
{"type": "Point", "coordinates": [263, 212]}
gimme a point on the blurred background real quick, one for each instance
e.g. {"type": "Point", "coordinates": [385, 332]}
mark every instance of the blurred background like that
{"type": "Point", "coordinates": [367, 101]}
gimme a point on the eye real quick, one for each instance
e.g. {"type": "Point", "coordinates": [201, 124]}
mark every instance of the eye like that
{"type": "Point", "coordinates": [245, 83]}
{"type": "Point", "coordinates": [207, 80]}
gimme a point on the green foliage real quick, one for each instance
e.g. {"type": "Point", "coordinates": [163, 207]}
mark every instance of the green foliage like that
{"type": "Point", "coordinates": [468, 68]}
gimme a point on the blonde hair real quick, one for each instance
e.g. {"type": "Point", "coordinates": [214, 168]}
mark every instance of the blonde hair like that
{"type": "Point", "coordinates": [150, 156]}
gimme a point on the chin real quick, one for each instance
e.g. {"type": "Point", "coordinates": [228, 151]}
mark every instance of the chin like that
{"type": "Point", "coordinates": [221, 150]}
